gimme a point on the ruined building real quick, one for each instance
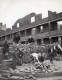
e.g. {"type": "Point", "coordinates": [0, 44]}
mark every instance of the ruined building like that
{"type": "Point", "coordinates": [43, 30]}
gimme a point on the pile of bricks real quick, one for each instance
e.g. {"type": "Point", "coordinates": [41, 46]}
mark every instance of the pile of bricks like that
{"type": "Point", "coordinates": [28, 49]}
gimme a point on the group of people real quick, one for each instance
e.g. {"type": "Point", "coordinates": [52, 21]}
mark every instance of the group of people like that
{"type": "Point", "coordinates": [54, 51]}
{"type": "Point", "coordinates": [18, 54]}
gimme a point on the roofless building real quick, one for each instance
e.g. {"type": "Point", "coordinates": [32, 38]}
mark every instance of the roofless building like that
{"type": "Point", "coordinates": [43, 30]}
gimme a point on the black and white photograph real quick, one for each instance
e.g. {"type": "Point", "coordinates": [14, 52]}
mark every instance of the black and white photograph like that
{"type": "Point", "coordinates": [30, 39]}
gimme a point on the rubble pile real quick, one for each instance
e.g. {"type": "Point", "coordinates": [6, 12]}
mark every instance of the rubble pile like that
{"type": "Point", "coordinates": [27, 49]}
{"type": "Point", "coordinates": [45, 67]}
{"type": "Point", "coordinates": [27, 67]}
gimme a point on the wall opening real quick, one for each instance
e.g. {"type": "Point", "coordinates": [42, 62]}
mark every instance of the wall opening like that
{"type": "Point", "coordinates": [32, 19]}
{"type": "Point", "coordinates": [39, 41]}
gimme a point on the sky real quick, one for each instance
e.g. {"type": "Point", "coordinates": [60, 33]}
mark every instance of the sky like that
{"type": "Point", "coordinates": [11, 10]}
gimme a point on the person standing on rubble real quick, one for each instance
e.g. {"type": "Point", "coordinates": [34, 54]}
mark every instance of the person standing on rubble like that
{"type": "Point", "coordinates": [51, 53]}
{"type": "Point", "coordinates": [16, 38]}
{"type": "Point", "coordinates": [5, 49]}
{"type": "Point", "coordinates": [30, 40]}
{"type": "Point", "coordinates": [17, 54]}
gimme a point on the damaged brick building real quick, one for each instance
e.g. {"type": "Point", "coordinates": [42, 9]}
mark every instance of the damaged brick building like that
{"type": "Point", "coordinates": [43, 30]}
